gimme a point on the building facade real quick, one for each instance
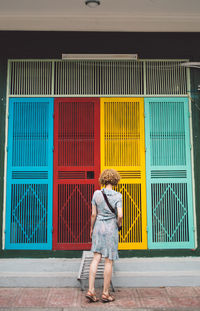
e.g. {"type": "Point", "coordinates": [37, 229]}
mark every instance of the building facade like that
{"type": "Point", "coordinates": [63, 122]}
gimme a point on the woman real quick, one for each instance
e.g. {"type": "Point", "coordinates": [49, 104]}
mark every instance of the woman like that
{"type": "Point", "coordinates": [104, 231]}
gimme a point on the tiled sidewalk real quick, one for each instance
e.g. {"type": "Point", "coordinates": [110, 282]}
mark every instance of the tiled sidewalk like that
{"type": "Point", "coordinates": [170, 298]}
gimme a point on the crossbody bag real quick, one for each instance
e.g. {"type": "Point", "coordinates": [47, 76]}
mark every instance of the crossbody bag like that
{"type": "Point", "coordinates": [111, 208]}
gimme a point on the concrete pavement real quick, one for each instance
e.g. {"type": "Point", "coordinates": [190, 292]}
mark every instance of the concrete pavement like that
{"type": "Point", "coordinates": [127, 272]}
{"type": "Point", "coordinates": [73, 299]}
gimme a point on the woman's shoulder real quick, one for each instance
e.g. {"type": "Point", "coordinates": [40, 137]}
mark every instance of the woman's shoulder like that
{"type": "Point", "coordinates": [97, 192]}
{"type": "Point", "coordinates": [118, 195]}
{"type": "Point", "coordinates": [115, 194]}
{"type": "Point", "coordinates": [110, 193]}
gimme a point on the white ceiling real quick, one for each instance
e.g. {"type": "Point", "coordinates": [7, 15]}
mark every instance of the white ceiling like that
{"type": "Point", "coordinates": [111, 15]}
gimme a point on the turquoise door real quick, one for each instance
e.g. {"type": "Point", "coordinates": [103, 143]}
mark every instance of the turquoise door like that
{"type": "Point", "coordinates": [168, 171]}
{"type": "Point", "coordinates": [29, 174]}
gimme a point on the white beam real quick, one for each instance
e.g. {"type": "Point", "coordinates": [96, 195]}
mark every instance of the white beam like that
{"type": "Point", "coordinates": [135, 22]}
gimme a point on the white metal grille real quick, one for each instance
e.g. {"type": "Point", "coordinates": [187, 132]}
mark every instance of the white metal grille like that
{"type": "Point", "coordinates": [98, 77]}
{"type": "Point", "coordinates": [31, 78]}
{"type": "Point", "coordinates": [103, 78]}
{"type": "Point", "coordinates": [165, 77]}
{"type": "Point", "coordinates": [76, 78]}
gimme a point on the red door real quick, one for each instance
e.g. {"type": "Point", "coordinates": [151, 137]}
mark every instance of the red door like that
{"type": "Point", "coordinates": [76, 170]}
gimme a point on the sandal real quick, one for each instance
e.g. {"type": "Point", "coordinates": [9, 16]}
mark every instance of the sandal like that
{"type": "Point", "coordinates": [107, 298]}
{"type": "Point", "coordinates": [92, 297]}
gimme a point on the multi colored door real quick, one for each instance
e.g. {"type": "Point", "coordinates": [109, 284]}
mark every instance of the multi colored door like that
{"type": "Point", "coordinates": [76, 169]}
{"type": "Point", "coordinates": [68, 175]}
{"type": "Point", "coordinates": [169, 181]}
{"type": "Point", "coordinates": [123, 148]}
{"type": "Point", "coordinates": [29, 174]}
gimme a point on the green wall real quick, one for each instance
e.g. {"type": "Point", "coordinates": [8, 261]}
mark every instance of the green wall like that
{"type": "Point", "coordinates": [195, 104]}
{"type": "Point", "coordinates": [3, 68]}
{"type": "Point", "coordinates": [147, 45]}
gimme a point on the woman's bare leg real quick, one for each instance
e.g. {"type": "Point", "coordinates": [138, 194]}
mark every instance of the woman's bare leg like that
{"type": "Point", "coordinates": [107, 275]}
{"type": "Point", "coordinates": [93, 270]}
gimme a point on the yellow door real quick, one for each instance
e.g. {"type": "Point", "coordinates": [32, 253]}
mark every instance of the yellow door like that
{"type": "Point", "coordinates": [123, 148]}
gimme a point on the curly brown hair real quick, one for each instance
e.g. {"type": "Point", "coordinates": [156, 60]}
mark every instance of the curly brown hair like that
{"type": "Point", "coordinates": [109, 176]}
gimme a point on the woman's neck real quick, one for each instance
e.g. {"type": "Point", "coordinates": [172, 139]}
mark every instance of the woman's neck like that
{"type": "Point", "coordinates": [109, 187]}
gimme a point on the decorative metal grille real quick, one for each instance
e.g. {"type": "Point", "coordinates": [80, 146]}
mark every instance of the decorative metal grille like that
{"type": "Point", "coordinates": [76, 169]}
{"type": "Point", "coordinates": [30, 133]}
{"type": "Point", "coordinates": [168, 163]}
{"type": "Point", "coordinates": [75, 78]}
{"type": "Point", "coordinates": [30, 77]}
{"type": "Point", "coordinates": [29, 214]}
{"type": "Point", "coordinates": [132, 214]}
{"type": "Point", "coordinates": [76, 133]}
{"type": "Point", "coordinates": [169, 213]}
{"type": "Point", "coordinates": [122, 148]}
{"type": "Point", "coordinates": [77, 152]}
{"type": "Point", "coordinates": [74, 212]}
{"type": "Point", "coordinates": [98, 77]}
{"type": "Point", "coordinates": [167, 133]}
{"type": "Point", "coordinates": [29, 174]}
{"type": "Point", "coordinates": [166, 77]}
{"type": "Point", "coordinates": [122, 132]}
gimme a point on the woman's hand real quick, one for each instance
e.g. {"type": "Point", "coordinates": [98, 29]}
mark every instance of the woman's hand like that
{"type": "Point", "coordinates": [119, 222]}
{"type": "Point", "coordinates": [91, 231]}
{"type": "Point", "coordinates": [120, 217]}
{"type": "Point", "coordinates": [93, 218]}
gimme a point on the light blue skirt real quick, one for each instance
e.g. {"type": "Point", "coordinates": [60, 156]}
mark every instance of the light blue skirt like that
{"type": "Point", "coordinates": [105, 238]}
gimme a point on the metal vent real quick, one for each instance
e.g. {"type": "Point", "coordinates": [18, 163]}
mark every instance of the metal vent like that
{"type": "Point", "coordinates": [30, 132]}
{"type": "Point", "coordinates": [98, 77]}
{"type": "Point", "coordinates": [31, 78]}
{"type": "Point", "coordinates": [129, 174]}
{"type": "Point", "coordinates": [29, 175]}
{"type": "Point", "coordinates": [122, 131]}
{"type": "Point", "coordinates": [165, 77]}
{"type": "Point", "coordinates": [71, 175]}
{"type": "Point", "coordinates": [169, 174]}
{"type": "Point", "coordinates": [167, 131]}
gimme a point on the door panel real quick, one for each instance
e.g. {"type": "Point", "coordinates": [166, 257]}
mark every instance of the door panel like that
{"type": "Point", "coordinates": [169, 184]}
{"type": "Point", "coordinates": [76, 169]}
{"type": "Point", "coordinates": [122, 148]}
{"type": "Point", "coordinates": [29, 174]}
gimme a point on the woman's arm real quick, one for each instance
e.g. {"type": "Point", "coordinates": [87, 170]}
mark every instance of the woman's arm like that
{"type": "Point", "coordinates": [120, 216]}
{"type": "Point", "coordinates": [93, 218]}
{"type": "Point", "coordinates": [120, 211]}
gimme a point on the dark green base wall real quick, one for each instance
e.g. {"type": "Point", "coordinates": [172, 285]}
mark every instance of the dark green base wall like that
{"type": "Point", "coordinates": [78, 254]}
{"type": "Point", "coordinates": [148, 45]}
